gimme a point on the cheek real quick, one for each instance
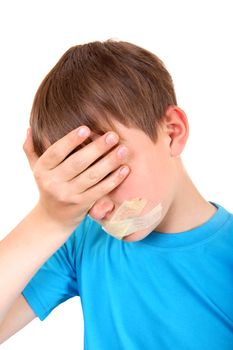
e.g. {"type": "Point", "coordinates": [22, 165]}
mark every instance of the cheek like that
{"type": "Point", "coordinates": [135, 185]}
{"type": "Point", "coordinates": [152, 182]}
{"type": "Point", "coordinates": [125, 190]}
{"type": "Point", "coordinates": [149, 178]}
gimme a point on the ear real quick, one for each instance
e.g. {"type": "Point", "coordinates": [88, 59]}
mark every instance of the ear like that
{"type": "Point", "coordinates": [177, 129]}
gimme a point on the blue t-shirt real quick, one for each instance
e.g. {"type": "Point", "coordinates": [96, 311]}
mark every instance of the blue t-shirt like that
{"type": "Point", "coordinates": [165, 292]}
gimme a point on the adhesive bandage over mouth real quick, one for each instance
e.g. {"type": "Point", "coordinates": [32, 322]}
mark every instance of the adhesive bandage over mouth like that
{"type": "Point", "coordinates": [125, 220]}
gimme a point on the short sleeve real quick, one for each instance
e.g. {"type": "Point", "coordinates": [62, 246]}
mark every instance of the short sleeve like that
{"type": "Point", "coordinates": [56, 280]}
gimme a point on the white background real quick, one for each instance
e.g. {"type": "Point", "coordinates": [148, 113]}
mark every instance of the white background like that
{"type": "Point", "coordinates": [193, 38]}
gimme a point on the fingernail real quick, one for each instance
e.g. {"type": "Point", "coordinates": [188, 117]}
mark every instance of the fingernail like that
{"type": "Point", "coordinates": [111, 139]}
{"type": "Point", "coordinates": [124, 171]}
{"type": "Point", "coordinates": [83, 132]}
{"type": "Point", "coordinates": [122, 151]}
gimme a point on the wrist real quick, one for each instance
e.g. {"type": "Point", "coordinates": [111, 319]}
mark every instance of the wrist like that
{"type": "Point", "coordinates": [42, 217]}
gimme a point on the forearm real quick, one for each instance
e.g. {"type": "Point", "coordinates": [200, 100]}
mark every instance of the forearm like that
{"type": "Point", "coordinates": [24, 250]}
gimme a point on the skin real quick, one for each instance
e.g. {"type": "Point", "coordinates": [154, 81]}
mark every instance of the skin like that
{"type": "Point", "coordinates": [158, 175]}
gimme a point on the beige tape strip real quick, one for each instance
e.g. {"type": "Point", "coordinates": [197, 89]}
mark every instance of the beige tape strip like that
{"type": "Point", "coordinates": [126, 220]}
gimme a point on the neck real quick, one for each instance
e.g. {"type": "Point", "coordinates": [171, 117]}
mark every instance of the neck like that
{"type": "Point", "coordinates": [188, 209]}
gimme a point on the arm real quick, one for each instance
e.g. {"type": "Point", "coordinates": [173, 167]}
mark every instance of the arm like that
{"type": "Point", "coordinates": [23, 251]}
{"type": "Point", "coordinates": [19, 315]}
{"type": "Point", "coordinates": [62, 207]}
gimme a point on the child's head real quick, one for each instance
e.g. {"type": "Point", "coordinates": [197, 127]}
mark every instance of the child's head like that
{"type": "Point", "coordinates": [97, 84]}
{"type": "Point", "coordinates": [121, 87]}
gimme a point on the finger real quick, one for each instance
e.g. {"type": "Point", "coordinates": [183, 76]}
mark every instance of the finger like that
{"type": "Point", "coordinates": [82, 159]}
{"type": "Point", "coordinates": [29, 149]}
{"type": "Point", "coordinates": [102, 188]}
{"type": "Point", "coordinates": [60, 149]}
{"type": "Point", "coordinates": [99, 171]}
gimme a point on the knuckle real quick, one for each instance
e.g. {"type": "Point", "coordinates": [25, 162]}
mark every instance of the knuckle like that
{"type": "Point", "coordinates": [71, 167]}
{"type": "Point", "coordinates": [93, 175]}
{"type": "Point", "coordinates": [47, 186]}
{"type": "Point", "coordinates": [36, 173]}
{"type": "Point", "coordinates": [75, 164]}
{"type": "Point", "coordinates": [53, 153]}
{"type": "Point", "coordinates": [62, 196]}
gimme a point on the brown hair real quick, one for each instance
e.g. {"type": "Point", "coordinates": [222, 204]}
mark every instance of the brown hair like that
{"type": "Point", "coordinates": [93, 84]}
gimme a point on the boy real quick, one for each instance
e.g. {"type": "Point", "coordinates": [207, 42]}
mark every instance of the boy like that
{"type": "Point", "coordinates": [152, 261]}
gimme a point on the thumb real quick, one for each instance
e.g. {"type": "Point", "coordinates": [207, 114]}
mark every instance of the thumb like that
{"type": "Point", "coordinates": [29, 149]}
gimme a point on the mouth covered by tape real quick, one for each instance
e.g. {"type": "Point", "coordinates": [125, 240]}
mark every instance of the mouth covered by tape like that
{"type": "Point", "coordinates": [126, 220]}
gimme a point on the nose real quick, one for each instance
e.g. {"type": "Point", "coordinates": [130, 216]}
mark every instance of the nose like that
{"type": "Point", "coordinates": [102, 209]}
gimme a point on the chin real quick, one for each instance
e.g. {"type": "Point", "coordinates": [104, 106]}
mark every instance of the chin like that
{"type": "Point", "coordinates": [136, 236]}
